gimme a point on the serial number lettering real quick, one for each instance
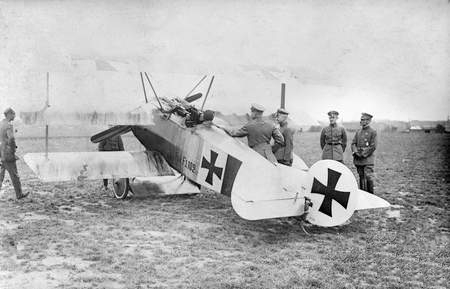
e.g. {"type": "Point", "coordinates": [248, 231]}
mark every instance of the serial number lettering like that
{"type": "Point", "coordinates": [189, 165]}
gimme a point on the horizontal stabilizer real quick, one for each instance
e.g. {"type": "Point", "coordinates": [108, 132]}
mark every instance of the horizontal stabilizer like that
{"type": "Point", "coordinates": [78, 166]}
{"type": "Point", "coordinates": [370, 201]}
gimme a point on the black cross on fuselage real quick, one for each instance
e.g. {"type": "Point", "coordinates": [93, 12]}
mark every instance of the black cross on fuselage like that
{"type": "Point", "coordinates": [212, 169]}
{"type": "Point", "coordinates": [330, 192]}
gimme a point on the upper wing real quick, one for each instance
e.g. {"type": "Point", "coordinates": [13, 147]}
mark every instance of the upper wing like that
{"type": "Point", "coordinates": [77, 166]}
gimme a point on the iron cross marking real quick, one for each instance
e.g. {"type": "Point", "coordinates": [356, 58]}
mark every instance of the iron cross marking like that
{"type": "Point", "coordinates": [212, 169]}
{"type": "Point", "coordinates": [330, 193]}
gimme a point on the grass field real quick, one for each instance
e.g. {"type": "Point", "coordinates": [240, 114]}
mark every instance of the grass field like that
{"type": "Point", "coordinates": [70, 235]}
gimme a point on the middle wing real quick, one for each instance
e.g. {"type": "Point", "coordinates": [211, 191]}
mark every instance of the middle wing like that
{"type": "Point", "coordinates": [77, 166]}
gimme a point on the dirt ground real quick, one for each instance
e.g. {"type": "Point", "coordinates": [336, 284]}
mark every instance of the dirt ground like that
{"type": "Point", "coordinates": [68, 235]}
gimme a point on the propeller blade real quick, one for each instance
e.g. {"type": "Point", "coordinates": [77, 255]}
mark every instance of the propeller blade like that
{"type": "Point", "coordinates": [193, 97]}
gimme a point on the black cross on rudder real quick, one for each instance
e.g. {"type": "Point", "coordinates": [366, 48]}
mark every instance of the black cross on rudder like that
{"type": "Point", "coordinates": [330, 193]}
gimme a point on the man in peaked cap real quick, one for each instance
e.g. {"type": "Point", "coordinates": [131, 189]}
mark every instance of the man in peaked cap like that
{"type": "Point", "coordinates": [284, 154]}
{"type": "Point", "coordinates": [259, 133]}
{"type": "Point", "coordinates": [8, 153]}
{"type": "Point", "coordinates": [257, 108]}
{"type": "Point", "coordinates": [333, 139]}
{"type": "Point", "coordinates": [364, 145]}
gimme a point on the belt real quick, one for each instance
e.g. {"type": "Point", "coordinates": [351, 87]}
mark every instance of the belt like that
{"type": "Point", "coordinates": [260, 144]}
{"type": "Point", "coordinates": [334, 143]}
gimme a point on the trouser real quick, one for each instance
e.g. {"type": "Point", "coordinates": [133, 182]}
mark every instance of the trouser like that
{"type": "Point", "coordinates": [11, 167]}
{"type": "Point", "coordinates": [105, 183]}
{"type": "Point", "coordinates": [365, 173]}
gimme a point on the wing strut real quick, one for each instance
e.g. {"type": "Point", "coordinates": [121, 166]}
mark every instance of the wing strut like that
{"type": "Point", "coordinates": [47, 104]}
{"type": "Point", "coordinates": [143, 87]}
{"type": "Point", "coordinates": [154, 92]}
{"type": "Point", "coordinates": [207, 92]}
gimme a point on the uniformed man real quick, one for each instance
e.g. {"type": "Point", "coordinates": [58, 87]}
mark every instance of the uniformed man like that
{"type": "Point", "coordinates": [110, 144]}
{"type": "Point", "coordinates": [8, 153]}
{"type": "Point", "coordinates": [284, 154]}
{"type": "Point", "coordinates": [333, 139]}
{"type": "Point", "coordinates": [259, 133]}
{"type": "Point", "coordinates": [363, 146]}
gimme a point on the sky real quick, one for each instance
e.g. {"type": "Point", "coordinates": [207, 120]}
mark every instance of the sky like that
{"type": "Point", "coordinates": [389, 58]}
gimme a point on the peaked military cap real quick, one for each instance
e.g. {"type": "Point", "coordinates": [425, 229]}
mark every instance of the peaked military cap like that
{"type": "Point", "coordinates": [257, 107]}
{"type": "Point", "coordinates": [366, 115]}
{"type": "Point", "coordinates": [8, 110]}
{"type": "Point", "coordinates": [282, 111]}
{"type": "Point", "coordinates": [333, 112]}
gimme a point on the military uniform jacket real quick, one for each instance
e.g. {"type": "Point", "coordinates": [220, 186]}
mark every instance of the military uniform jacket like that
{"type": "Point", "coordinates": [7, 141]}
{"type": "Point", "coordinates": [333, 141]}
{"type": "Point", "coordinates": [111, 144]}
{"type": "Point", "coordinates": [364, 142]}
{"type": "Point", "coordinates": [259, 133]}
{"type": "Point", "coordinates": [285, 152]}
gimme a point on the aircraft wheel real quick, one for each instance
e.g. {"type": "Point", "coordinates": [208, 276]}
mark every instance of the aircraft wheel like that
{"type": "Point", "coordinates": [121, 188]}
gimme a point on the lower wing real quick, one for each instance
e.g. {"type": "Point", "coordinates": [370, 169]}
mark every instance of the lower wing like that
{"type": "Point", "coordinates": [78, 166]}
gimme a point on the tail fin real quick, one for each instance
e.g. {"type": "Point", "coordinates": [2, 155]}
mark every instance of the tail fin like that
{"type": "Point", "coordinates": [335, 194]}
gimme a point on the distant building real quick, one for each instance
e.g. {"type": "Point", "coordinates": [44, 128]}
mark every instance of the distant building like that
{"type": "Point", "coordinates": [415, 128]}
{"type": "Point", "coordinates": [429, 126]}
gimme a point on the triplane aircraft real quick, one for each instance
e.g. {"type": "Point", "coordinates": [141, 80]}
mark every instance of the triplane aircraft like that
{"type": "Point", "coordinates": [185, 144]}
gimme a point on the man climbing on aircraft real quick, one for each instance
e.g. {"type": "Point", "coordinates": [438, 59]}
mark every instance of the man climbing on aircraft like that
{"type": "Point", "coordinates": [284, 154]}
{"type": "Point", "coordinates": [259, 133]}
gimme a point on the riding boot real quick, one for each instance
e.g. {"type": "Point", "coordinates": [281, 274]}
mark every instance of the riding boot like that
{"type": "Point", "coordinates": [362, 183]}
{"type": "Point", "coordinates": [370, 186]}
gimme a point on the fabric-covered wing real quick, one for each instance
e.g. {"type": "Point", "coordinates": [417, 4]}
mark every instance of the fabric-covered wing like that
{"type": "Point", "coordinates": [78, 166]}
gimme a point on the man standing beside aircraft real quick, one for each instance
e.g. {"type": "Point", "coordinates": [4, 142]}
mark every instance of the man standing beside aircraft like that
{"type": "Point", "coordinates": [8, 153]}
{"type": "Point", "coordinates": [333, 139]}
{"type": "Point", "coordinates": [363, 146]}
{"type": "Point", "coordinates": [284, 154]}
{"type": "Point", "coordinates": [110, 144]}
{"type": "Point", "coordinates": [259, 133]}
